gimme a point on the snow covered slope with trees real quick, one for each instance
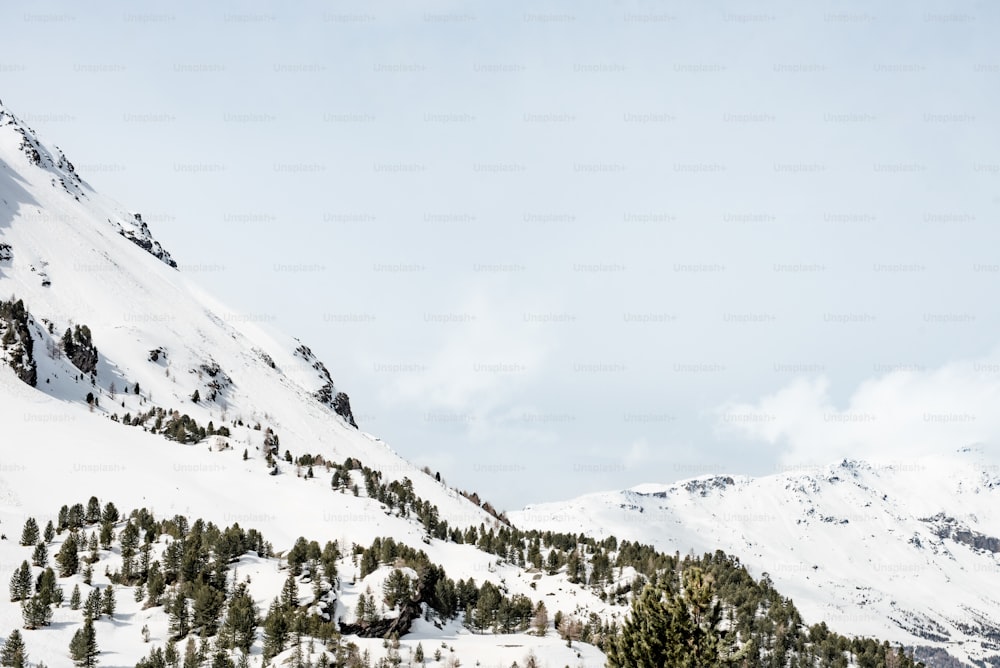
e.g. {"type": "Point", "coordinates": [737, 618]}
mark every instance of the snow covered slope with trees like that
{"type": "Point", "coordinates": [180, 487]}
{"type": "Point", "coordinates": [906, 551]}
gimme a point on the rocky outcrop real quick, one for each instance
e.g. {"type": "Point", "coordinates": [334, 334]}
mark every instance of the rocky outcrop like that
{"type": "Point", "coordinates": [16, 343]}
{"type": "Point", "coordinates": [137, 232]}
{"type": "Point", "coordinates": [327, 394]}
{"type": "Point", "coordinates": [342, 407]}
{"type": "Point", "coordinates": [80, 349]}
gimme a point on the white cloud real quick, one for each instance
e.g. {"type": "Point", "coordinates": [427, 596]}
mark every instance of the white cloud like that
{"type": "Point", "coordinates": [900, 414]}
{"type": "Point", "coordinates": [479, 363]}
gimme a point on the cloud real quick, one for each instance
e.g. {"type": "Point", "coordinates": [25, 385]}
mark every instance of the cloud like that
{"type": "Point", "coordinates": [477, 365]}
{"type": "Point", "coordinates": [900, 414]}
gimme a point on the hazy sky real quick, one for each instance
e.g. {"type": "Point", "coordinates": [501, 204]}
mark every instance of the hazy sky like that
{"type": "Point", "coordinates": [553, 248]}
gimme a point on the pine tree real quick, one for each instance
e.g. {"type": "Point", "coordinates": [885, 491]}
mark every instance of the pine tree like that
{"type": "Point", "coordinates": [69, 562]}
{"type": "Point", "coordinates": [170, 656]}
{"type": "Point", "coordinates": [108, 602]}
{"type": "Point", "coordinates": [275, 630]}
{"type": "Point", "coordinates": [191, 659]}
{"type": "Point", "coordinates": [155, 584]}
{"type": "Point", "coordinates": [242, 619]}
{"type": "Point", "coordinates": [418, 654]}
{"type": "Point", "coordinates": [93, 513]}
{"type": "Point", "coordinates": [29, 534]}
{"type": "Point", "coordinates": [206, 610]}
{"type": "Point", "coordinates": [221, 659]}
{"type": "Point", "coordinates": [46, 586]}
{"type": "Point", "coordinates": [672, 629]}
{"type": "Point", "coordinates": [50, 532]}
{"type": "Point", "coordinates": [36, 613]}
{"type": "Point", "coordinates": [74, 598]}
{"type": "Point", "coordinates": [110, 513]}
{"type": "Point", "coordinates": [179, 620]}
{"type": "Point", "coordinates": [129, 541]}
{"type": "Point", "coordinates": [92, 606]}
{"type": "Point", "coordinates": [540, 622]}
{"type": "Point", "coordinates": [290, 594]}
{"type": "Point", "coordinates": [14, 653]}
{"type": "Point", "coordinates": [40, 555]}
{"type": "Point", "coordinates": [20, 583]}
{"type": "Point", "coordinates": [83, 646]}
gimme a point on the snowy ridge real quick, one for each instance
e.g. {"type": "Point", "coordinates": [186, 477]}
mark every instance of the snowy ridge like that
{"type": "Point", "coordinates": [903, 551]}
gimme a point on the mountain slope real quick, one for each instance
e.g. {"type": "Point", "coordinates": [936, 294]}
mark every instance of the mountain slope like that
{"type": "Point", "coordinates": [120, 379]}
{"type": "Point", "coordinates": [902, 551]}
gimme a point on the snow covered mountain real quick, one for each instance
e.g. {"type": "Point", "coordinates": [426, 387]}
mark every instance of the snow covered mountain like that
{"type": "Point", "coordinates": [906, 551]}
{"type": "Point", "coordinates": [121, 380]}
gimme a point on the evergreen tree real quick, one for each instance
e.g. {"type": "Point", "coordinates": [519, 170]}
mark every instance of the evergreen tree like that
{"type": "Point", "coordinates": [275, 630]}
{"type": "Point", "coordinates": [129, 541]}
{"type": "Point", "coordinates": [221, 659]}
{"type": "Point", "coordinates": [93, 512]}
{"type": "Point", "coordinates": [92, 606]}
{"type": "Point", "coordinates": [29, 534]}
{"type": "Point", "coordinates": [20, 583]}
{"type": "Point", "coordinates": [418, 654]}
{"type": "Point", "coordinates": [74, 598]}
{"type": "Point", "coordinates": [108, 602]}
{"type": "Point", "coordinates": [46, 586]}
{"type": "Point", "coordinates": [110, 513]}
{"type": "Point", "coordinates": [242, 619]}
{"type": "Point", "coordinates": [206, 610]}
{"type": "Point", "coordinates": [83, 646]}
{"type": "Point", "coordinates": [14, 653]}
{"type": "Point", "coordinates": [290, 594]}
{"type": "Point", "coordinates": [50, 532]}
{"type": "Point", "coordinates": [67, 558]}
{"type": "Point", "coordinates": [170, 655]}
{"type": "Point", "coordinates": [155, 584]}
{"type": "Point", "coordinates": [36, 613]}
{"type": "Point", "coordinates": [180, 624]}
{"type": "Point", "coordinates": [40, 555]}
{"type": "Point", "coordinates": [673, 629]}
{"type": "Point", "coordinates": [191, 659]}
{"type": "Point", "coordinates": [540, 622]}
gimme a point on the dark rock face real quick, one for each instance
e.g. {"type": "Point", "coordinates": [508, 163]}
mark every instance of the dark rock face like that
{"type": "Point", "coordinates": [327, 394]}
{"type": "Point", "coordinates": [80, 349]}
{"type": "Point", "coordinates": [949, 527]}
{"type": "Point", "coordinates": [342, 407]}
{"type": "Point", "coordinates": [385, 628]}
{"type": "Point", "coordinates": [138, 233]}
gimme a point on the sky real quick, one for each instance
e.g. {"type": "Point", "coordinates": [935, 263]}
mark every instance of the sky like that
{"type": "Point", "coordinates": [556, 248]}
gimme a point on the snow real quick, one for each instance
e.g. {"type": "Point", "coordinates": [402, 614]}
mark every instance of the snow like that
{"type": "Point", "coordinates": [838, 540]}
{"type": "Point", "coordinates": [854, 544]}
{"type": "Point", "coordinates": [55, 449]}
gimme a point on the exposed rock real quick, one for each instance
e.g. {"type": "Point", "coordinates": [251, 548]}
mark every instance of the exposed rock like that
{"type": "Point", "coordinates": [80, 349]}
{"type": "Point", "coordinates": [385, 628]}
{"type": "Point", "coordinates": [16, 343]}
{"type": "Point", "coordinates": [138, 233]}
{"type": "Point", "coordinates": [327, 394]}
